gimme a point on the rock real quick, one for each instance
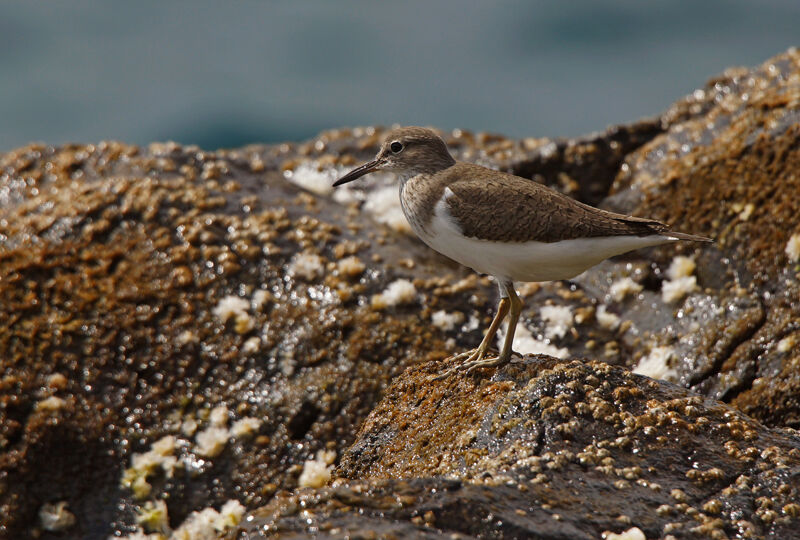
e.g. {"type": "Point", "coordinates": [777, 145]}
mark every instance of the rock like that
{"type": "Point", "coordinates": [183, 328]}
{"type": "Point", "coordinates": [548, 448]}
{"type": "Point", "coordinates": [728, 169]}
{"type": "Point", "coordinates": [146, 308]}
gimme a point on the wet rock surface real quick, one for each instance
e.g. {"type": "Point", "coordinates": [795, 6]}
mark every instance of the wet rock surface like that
{"type": "Point", "coordinates": [183, 327]}
{"type": "Point", "coordinates": [143, 288]}
{"type": "Point", "coordinates": [548, 448]}
{"type": "Point", "coordinates": [731, 172]}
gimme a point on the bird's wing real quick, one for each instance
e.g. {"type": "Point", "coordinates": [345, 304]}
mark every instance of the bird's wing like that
{"type": "Point", "coordinates": [509, 208]}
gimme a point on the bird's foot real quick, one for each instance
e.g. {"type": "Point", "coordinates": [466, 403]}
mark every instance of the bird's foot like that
{"type": "Point", "coordinates": [475, 358]}
{"type": "Point", "coordinates": [499, 360]}
{"type": "Point", "coordinates": [469, 355]}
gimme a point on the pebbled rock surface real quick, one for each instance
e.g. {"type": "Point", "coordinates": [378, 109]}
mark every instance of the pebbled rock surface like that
{"type": "Point", "coordinates": [732, 172]}
{"type": "Point", "coordinates": [114, 260]}
{"type": "Point", "coordinates": [172, 292]}
{"type": "Point", "coordinates": [548, 448]}
{"type": "Point", "coordinates": [721, 162]}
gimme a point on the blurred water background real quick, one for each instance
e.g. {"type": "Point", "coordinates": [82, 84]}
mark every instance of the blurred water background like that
{"type": "Point", "coordinates": [223, 74]}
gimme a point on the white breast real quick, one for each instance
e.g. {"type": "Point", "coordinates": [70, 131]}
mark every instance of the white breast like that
{"type": "Point", "coordinates": [526, 261]}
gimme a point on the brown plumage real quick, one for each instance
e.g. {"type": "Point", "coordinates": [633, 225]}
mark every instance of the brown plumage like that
{"type": "Point", "coordinates": [530, 211]}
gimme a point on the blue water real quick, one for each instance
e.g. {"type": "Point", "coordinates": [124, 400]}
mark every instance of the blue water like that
{"type": "Point", "coordinates": [222, 74]}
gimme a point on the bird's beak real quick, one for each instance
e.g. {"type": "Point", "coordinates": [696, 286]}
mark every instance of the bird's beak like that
{"type": "Point", "coordinates": [358, 172]}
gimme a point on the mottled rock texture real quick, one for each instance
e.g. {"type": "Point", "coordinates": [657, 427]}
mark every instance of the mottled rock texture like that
{"type": "Point", "coordinates": [552, 448]}
{"type": "Point", "coordinates": [113, 261]}
{"type": "Point", "coordinates": [732, 171]}
{"type": "Point", "coordinates": [140, 288]}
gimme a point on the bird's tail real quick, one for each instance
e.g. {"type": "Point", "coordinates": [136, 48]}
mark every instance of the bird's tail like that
{"type": "Point", "coordinates": [684, 236]}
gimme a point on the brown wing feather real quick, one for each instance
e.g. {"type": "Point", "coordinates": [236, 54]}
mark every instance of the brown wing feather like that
{"type": "Point", "coordinates": [523, 210]}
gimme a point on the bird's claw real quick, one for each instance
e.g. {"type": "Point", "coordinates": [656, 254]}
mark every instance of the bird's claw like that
{"type": "Point", "coordinates": [475, 359]}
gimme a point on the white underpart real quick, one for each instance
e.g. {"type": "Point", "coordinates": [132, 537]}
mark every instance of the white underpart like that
{"type": "Point", "coordinates": [526, 343]}
{"type": "Point", "coordinates": [526, 261]}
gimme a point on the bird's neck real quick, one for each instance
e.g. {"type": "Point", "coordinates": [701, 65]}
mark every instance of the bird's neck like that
{"type": "Point", "coordinates": [428, 170]}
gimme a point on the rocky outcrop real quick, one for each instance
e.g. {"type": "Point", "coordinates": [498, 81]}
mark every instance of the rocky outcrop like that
{"type": "Point", "coordinates": [183, 328]}
{"type": "Point", "coordinates": [732, 171]}
{"type": "Point", "coordinates": [547, 448]}
{"type": "Point", "coordinates": [143, 288]}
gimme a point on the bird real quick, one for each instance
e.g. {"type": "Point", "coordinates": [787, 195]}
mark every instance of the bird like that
{"type": "Point", "coordinates": [508, 227]}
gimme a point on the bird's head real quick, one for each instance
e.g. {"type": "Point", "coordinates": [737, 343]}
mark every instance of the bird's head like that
{"type": "Point", "coordinates": [406, 151]}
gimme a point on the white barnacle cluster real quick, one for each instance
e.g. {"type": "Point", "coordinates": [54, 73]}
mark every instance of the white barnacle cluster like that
{"type": "Point", "coordinates": [160, 457]}
{"type": "Point", "coordinates": [624, 287]}
{"type": "Point", "coordinates": [446, 321]}
{"type": "Point", "coordinates": [309, 175]}
{"type": "Point", "coordinates": [658, 364]}
{"type": "Point", "coordinates": [681, 281]}
{"type": "Point", "coordinates": [351, 266]}
{"type": "Point", "coordinates": [306, 266]}
{"type": "Point", "coordinates": [52, 403]}
{"type": "Point", "coordinates": [236, 308]}
{"type": "Point", "coordinates": [793, 248]}
{"type": "Point", "coordinates": [634, 533]}
{"type": "Point", "coordinates": [55, 517]}
{"type": "Point", "coordinates": [400, 291]}
{"type": "Point", "coordinates": [605, 318]}
{"type": "Point", "coordinates": [558, 319]}
{"type": "Point", "coordinates": [527, 343]}
{"type": "Point", "coordinates": [163, 458]}
{"type": "Point", "coordinates": [209, 523]}
{"type": "Point", "coordinates": [206, 524]}
{"type": "Point", "coordinates": [209, 442]}
{"type": "Point", "coordinates": [317, 472]}
{"type": "Point", "coordinates": [384, 206]}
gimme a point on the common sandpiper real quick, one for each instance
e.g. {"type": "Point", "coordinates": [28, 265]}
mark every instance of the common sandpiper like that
{"type": "Point", "coordinates": [506, 226]}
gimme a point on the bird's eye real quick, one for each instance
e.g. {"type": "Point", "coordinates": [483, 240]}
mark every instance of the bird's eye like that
{"type": "Point", "coordinates": [396, 147]}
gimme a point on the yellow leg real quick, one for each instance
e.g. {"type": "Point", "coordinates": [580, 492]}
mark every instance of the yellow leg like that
{"type": "Point", "coordinates": [505, 354]}
{"type": "Point", "coordinates": [480, 351]}
{"type": "Point", "coordinates": [476, 358]}
{"type": "Point", "coordinates": [477, 354]}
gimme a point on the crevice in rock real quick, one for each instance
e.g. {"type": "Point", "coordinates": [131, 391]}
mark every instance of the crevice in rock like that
{"type": "Point", "coordinates": [744, 385]}
{"type": "Point", "coordinates": [302, 420]}
{"type": "Point", "coordinates": [704, 377]}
